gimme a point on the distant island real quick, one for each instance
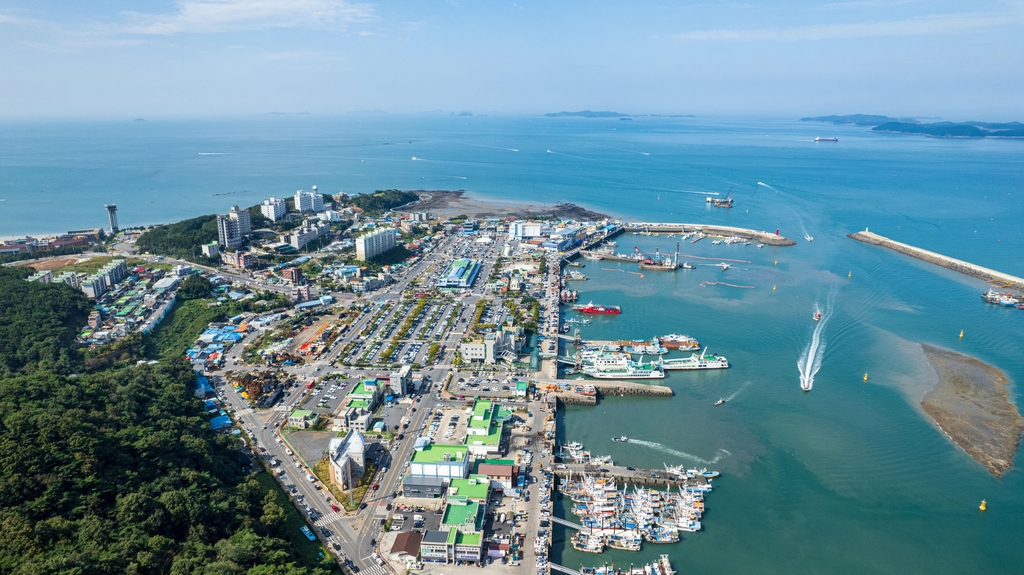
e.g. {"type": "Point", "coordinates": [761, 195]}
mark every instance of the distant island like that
{"type": "Point", "coordinates": [933, 129]}
{"type": "Point", "coordinates": [606, 114]}
{"type": "Point", "coordinates": [585, 114]}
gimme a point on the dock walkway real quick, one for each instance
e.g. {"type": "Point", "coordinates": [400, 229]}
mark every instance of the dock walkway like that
{"type": "Point", "coordinates": [724, 231]}
{"type": "Point", "coordinates": [966, 268]}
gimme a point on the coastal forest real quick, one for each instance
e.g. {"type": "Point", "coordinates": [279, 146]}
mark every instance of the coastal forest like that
{"type": "Point", "coordinates": [111, 467]}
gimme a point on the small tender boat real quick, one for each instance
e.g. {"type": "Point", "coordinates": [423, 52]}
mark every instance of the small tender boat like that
{"type": "Point", "coordinates": [720, 401]}
{"type": "Point", "coordinates": [620, 439]}
{"type": "Point", "coordinates": [817, 316]}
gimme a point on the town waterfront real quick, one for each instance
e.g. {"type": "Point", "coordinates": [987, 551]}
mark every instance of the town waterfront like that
{"type": "Point", "coordinates": [849, 478]}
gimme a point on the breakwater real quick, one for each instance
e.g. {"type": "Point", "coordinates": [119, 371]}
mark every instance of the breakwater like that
{"type": "Point", "coordinates": [966, 268]}
{"type": "Point", "coordinates": [723, 231]}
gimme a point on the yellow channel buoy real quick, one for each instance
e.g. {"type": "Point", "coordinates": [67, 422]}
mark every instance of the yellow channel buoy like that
{"type": "Point", "coordinates": [776, 262]}
{"type": "Point", "coordinates": [982, 506]}
{"type": "Point", "coordinates": [961, 334]}
{"type": "Point", "coordinates": [773, 288]}
{"type": "Point", "coordinates": [865, 376]}
{"type": "Point", "coordinates": [849, 274]}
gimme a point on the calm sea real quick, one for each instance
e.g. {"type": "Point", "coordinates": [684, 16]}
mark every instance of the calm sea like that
{"type": "Point", "coordinates": [850, 478]}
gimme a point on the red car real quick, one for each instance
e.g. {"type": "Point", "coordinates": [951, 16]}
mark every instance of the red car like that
{"type": "Point", "coordinates": [376, 486]}
{"type": "Point", "coordinates": [335, 508]}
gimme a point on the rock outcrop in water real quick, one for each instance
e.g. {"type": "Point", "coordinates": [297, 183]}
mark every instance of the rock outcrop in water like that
{"type": "Point", "coordinates": [971, 403]}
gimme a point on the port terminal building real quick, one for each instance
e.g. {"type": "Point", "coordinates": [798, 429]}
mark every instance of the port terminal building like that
{"type": "Point", "coordinates": [460, 274]}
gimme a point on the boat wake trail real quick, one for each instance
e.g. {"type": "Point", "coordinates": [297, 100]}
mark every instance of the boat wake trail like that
{"type": "Point", "coordinates": [767, 186]}
{"type": "Point", "coordinates": [721, 454]}
{"type": "Point", "coordinates": [737, 392]}
{"type": "Point", "coordinates": [810, 362]}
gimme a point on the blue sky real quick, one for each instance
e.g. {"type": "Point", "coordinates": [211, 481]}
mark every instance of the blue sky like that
{"type": "Point", "coordinates": [201, 58]}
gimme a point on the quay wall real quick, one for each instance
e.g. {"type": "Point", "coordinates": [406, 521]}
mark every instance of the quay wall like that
{"type": "Point", "coordinates": [624, 476]}
{"type": "Point", "coordinates": [762, 237]}
{"type": "Point", "coordinates": [947, 262]}
{"type": "Point", "coordinates": [623, 388]}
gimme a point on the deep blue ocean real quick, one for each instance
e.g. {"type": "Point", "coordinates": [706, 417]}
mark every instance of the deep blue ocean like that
{"type": "Point", "coordinates": [850, 478]}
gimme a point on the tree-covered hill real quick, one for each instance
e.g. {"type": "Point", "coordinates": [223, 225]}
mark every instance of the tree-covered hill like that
{"type": "Point", "coordinates": [38, 323]}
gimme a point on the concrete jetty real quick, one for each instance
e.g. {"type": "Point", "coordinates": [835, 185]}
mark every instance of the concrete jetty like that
{"type": "Point", "coordinates": [645, 477]}
{"type": "Point", "coordinates": [723, 231]}
{"type": "Point", "coordinates": [966, 268]}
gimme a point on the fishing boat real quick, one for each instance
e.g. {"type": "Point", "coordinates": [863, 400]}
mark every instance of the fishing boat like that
{"type": "Point", "coordinates": [686, 266]}
{"type": "Point", "coordinates": [620, 439]}
{"type": "Point", "coordinates": [702, 360]}
{"type": "Point", "coordinates": [720, 401]}
{"type": "Point", "coordinates": [598, 309]}
{"type": "Point", "coordinates": [759, 246]}
{"type": "Point", "coordinates": [817, 315]}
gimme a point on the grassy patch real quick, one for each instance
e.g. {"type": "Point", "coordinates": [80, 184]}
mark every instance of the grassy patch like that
{"type": "Point", "coordinates": [309, 553]}
{"type": "Point", "coordinates": [183, 324]}
{"type": "Point", "coordinates": [322, 470]}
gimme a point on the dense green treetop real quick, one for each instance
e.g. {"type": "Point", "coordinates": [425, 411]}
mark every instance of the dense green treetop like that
{"type": "Point", "coordinates": [383, 200]}
{"type": "Point", "coordinates": [195, 287]}
{"type": "Point", "coordinates": [182, 239]}
{"type": "Point", "coordinates": [38, 323]}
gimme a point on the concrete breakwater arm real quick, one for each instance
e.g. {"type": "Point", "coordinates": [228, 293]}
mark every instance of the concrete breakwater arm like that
{"type": "Point", "coordinates": [947, 262]}
{"type": "Point", "coordinates": [762, 237]}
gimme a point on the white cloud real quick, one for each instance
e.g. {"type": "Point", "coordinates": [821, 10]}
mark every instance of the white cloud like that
{"type": "Point", "coordinates": [932, 24]}
{"type": "Point", "coordinates": [209, 16]}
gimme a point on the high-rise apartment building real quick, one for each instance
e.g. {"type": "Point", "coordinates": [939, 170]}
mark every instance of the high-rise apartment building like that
{"type": "Point", "coordinates": [309, 201]}
{"type": "Point", "coordinates": [112, 217]}
{"type": "Point", "coordinates": [373, 244]}
{"type": "Point", "coordinates": [227, 232]}
{"type": "Point", "coordinates": [242, 217]}
{"type": "Point", "coordinates": [273, 208]}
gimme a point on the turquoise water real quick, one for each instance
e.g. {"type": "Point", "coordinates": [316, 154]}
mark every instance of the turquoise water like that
{"type": "Point", "coordinates": [850, 478]}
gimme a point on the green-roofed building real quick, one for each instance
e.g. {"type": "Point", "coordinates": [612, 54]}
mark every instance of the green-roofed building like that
{"type": "Point", "coordinates": [485, 428]}
{"type": "Point", "coordinates": [475, 488]}
{"type": "Point", "coordinates": [466, 516]}
{"type": "Point", "coordinates": [435, 460]}
{"type": "Point", "coordinates": [302, 418]}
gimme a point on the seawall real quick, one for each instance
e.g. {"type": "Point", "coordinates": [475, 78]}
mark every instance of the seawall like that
{"type": "Point", "coordinates": [762, 237]}
{"type": "Point", "coordinates": [947, 262]}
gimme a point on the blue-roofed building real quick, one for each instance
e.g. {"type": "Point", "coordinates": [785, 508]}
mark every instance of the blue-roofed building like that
{"type": "Point", "coordinates": [203, 387]}
{"type": "Point", "coordinates": [220, 422]}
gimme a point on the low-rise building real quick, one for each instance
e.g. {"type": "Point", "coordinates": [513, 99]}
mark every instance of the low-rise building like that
{"type": "Point", "coordinates": [424, 487]}
{"type": "Point", "coordinates": [211, 249]}
{"type": "Point", "coordinates": [490, 348]}
{"type": "Point", "coordinates": [406, 547]}
{"type": "Point", "coordinates": [243, 260]}
{"type": "Point", "coordinates": [302, 418]}
{"type": "Point", "coordinates": [401, 380]}
{"type": "Point", "coordinates": [460, 274]}
{"type": "Point", "coordinates": [348, 459]}
{"type": "Point", "coordinates": [435, 460]}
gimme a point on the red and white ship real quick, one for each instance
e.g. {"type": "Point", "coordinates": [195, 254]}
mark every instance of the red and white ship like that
{"type": "Point", "coordinates": [598, 309]}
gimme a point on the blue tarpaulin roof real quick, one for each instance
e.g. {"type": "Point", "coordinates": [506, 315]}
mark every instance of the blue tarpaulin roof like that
{"type": "Point", "coordinates": [220, 422]}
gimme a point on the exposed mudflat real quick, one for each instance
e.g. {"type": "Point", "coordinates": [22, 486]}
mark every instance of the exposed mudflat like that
{"type": "Point", "coordinates": [448, 203]}
{"type": "Point", "coordinates": [971, 403]}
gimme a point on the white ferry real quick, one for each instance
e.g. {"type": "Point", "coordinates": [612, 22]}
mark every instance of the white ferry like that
{"type": "Point", "coordinates": [702, 360]}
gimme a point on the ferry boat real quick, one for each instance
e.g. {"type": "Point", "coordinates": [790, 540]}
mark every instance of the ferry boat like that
{"type": "Point", "coordinates": [678, 341]}
{"type": "Point", "coordinates": [620, 439]}
{"type": "Point", "coordinates": [702, 360]}
{"type": "Point", "coordinates": [598, 309]}
{"type": "Point", "coordinates": [623, 368]}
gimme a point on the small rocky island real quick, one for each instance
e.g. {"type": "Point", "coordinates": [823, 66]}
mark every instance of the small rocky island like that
{"type": "Point", "coordinates": [971, 404]}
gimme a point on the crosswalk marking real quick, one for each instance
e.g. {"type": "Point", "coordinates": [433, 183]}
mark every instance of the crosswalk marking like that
{"type": "Point", "coordinates": [373, 568]}
{"type": "Point", "coordinates": [329, 518]}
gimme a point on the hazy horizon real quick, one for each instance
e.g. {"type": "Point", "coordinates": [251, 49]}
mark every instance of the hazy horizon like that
{"type": "Point", "coordinates": [213, 58]}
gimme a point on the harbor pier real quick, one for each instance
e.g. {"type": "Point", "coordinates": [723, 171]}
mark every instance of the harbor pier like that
{"type": "Point", "coordinates": [620, 474]}
{"type": "Point", "coordinates": [966, 268]}
{"type": "Point", "coordinates": [766, 238]}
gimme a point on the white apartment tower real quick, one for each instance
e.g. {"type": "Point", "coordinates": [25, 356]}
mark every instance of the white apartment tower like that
{"type": "Point", "coordinates": [242, 217]}
{"type": "Point", "coordinates": [273, 209]}
{"type": "Point", "coordinates": [309, 201]}
{"type": "Point", "coordinates": [227, 232]}
{"type": "Point", "coordinates": [373, 244]}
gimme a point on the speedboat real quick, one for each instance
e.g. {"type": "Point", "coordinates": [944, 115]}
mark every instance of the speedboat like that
{"type": "Point", "coordinates": [720, 401]}
{"type": "Point", "coordinates": [724, 266]}
{"type": "Point", "coordinates": [817, 316]}
{"type": "Point", "coordinates": [686, 266]}
{"type": "Point", "coordinates": [620, 439]}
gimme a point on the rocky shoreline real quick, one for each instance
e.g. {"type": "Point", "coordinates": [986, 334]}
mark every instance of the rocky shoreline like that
{"type": "Point", "coordinates": [971, 404]}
